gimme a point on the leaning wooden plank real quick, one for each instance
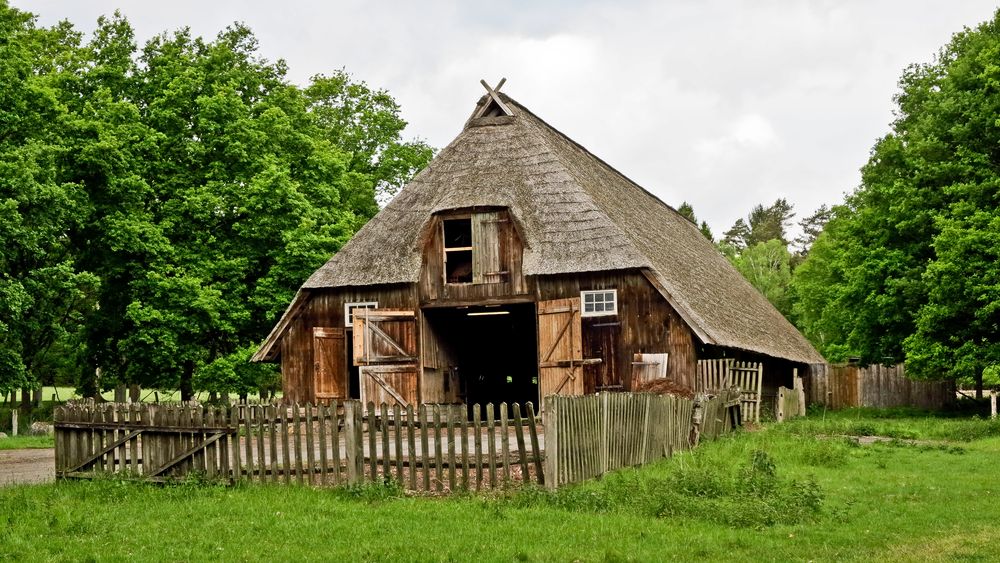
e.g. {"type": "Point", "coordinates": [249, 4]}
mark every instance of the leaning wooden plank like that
{"type": "Point", "coordinates": [397, 426]}
{"type": "Point", "coordinates": [535, 449]}
{"type": "Point", "coordinates": [505, 443]}
{"type": "Point", "coordinates": [384, 456]}
{"type": "Point", "coordinates": [372, 442]}
{"type": "Point", "coordinates": [248, 442]}
{"type": "Point", "coordinates": [478, 440]}
{"type": "Point", "coordinates": [464, 431]}
{"type": "Point", "coordinates": [297, 437]}
{"type": "Point", "coordinates": [491, 450]}
{"type": "Point", "coordinates": [451, 453]}
{"type": "Point", "coordinates": [438, 454]}
{"type": "Point", "coordinates": [321, 415]}
{"type": "Point", "coordinates": [270, 412]}
{"type": "Point", "coordinates": [234, 418]}
{"type": "Point", "coordinates": [411, 445]}
{"type": "Point", "coordinates": [522, 453]}
{"type": "Point", "coordinates": [286, 456]}
{"type": "Point", "coordinates": [424, 448]}
{"type": "Point", "coordinates": [261, 427]}
{"type": "Point", "coordinates": [310, 446]}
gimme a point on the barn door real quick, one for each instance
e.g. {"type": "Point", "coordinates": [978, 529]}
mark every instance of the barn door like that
{"type": "Point", "coordinates": [385, 346]}
{"type": "Point", "coordinates": [329, 364]}
{"type": "Point", "coordinates": [560, 348]}
{"type": "Point", "coordinates": [487, 263]}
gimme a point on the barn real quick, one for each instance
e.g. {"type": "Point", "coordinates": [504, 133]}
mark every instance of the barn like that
{"type": "Point", "coordinates": [518, 265]}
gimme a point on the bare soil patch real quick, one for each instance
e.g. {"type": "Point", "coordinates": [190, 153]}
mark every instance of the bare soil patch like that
{"type": "Point", "coordinates": [27, 466]}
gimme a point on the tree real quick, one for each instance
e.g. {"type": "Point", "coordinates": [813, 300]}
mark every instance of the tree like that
{"type": "Point", "coordinates": [687, 210]}
{"type": "Point", "coordinates": [42, 289]}
{"type": "Point", "coordinates": [812, 226]}
{"type": "Point", "coordinates": [767, 266]}
{"type": "Point", "coordinates": [159, 206]}
{"type": "Point", "coordinates": [912, 253]}
{"type": "Point", "coordinates": [761, 225]}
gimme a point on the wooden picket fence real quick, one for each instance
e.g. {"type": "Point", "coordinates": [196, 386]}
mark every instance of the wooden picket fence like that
{"type": "Point", "coordinates": [715, 376]}
{"type": "Point", "coordinates": [430, 448]}
{"type": "Point", "coordinates": [587, 436]}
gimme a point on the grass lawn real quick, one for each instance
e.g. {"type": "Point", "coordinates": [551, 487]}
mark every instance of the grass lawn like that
{"type": "Point", "coordinates": [780, 493]}
{"type": "Point", "coordinates": [20, 442]}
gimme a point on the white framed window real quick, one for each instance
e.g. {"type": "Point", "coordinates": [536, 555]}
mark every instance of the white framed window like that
{"type": "Point", "coordinates": [350, 307]}
{"type": "Point", "coordinates": [599, 302]}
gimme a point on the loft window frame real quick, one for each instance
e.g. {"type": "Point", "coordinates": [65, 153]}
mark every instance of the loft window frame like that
{"type": "Point", "coordinates": [603, 293]}
{"type": "Point", "coordinates": [349, 305]}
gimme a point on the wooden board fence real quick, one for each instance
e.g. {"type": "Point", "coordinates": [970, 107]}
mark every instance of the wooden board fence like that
{"type": "Point", "coordinates": [431, 447]}
{"type": "Point", "coordinates": [849, 385]}
{"type": "Point", "coordinates": [589, 435]}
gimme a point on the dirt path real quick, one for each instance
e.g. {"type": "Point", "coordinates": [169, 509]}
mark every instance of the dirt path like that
{"type": "Point", "coordinates": [27, 466]}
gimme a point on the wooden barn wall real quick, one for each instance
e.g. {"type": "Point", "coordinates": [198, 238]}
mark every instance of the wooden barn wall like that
{"type": "Point", "coordinates": [433, 288]}
{"type": "Point", "coordinates": [326, 309]}
{"type": "Point", "coordinates": [645, 323]}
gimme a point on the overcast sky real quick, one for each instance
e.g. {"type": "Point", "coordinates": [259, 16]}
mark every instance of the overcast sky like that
{"type": "Point", "coordinates": [723, 104]}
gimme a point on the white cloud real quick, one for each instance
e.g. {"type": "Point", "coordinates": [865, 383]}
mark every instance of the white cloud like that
{"type": "Point", "coordinates": [722, 103]}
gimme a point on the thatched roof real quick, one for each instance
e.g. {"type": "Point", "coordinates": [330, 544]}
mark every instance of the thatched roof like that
{"type": "Point", "coordinates": [576, 214]}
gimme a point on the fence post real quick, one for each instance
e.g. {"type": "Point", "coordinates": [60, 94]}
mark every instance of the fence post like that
{"type": "Point", "coordinates": [351, 442]}
{"type": "Point", "coordinates": [13, 422]}
{"type": "Point", "coordinates": [604, 415]}
{"type": "Point", "coordinates": [551, 417]}
{"type": "Point", "coordinates": [993, 404]}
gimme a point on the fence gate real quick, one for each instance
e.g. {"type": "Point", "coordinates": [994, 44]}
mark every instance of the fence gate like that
{"type": "Point", "coordinates": [717, 375]}
{"type": "Point", "coordinates": [150, 441]}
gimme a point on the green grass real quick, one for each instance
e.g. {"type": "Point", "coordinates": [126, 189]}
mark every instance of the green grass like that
{"type": "Point", "coordinates": [20, 442]}
{"type": "Point", "coordinates": [778, 494]}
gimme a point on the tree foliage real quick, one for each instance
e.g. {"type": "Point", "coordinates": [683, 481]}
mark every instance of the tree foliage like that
{"type": "Point", "coordinates": [908, 267]}
{"type": "Point", "coordinates": [159, 205]}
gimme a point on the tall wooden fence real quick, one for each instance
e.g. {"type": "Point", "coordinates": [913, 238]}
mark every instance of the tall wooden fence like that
{"type": "Point", "coordinates": [431, 448]}
{"type": "Point", "coordinates": [587, 436]}
{"type": "Point", "coordinates": [842, 386]}
{"type": "Point", "coordinates": [714, 376]}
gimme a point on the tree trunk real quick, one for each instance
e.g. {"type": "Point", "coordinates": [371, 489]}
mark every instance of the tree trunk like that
{"type": "Point", "coordinates": [134, 393]}
{"type": "Point", "coordinates": [25, 399]}
{"type": "Point", "coordinates": [979, 385]}
{"type": "Point", "coordinates": [36, 397]}
{"type": "Point", "coordinates": [187, 376]}
{"type": "Point", "coordinates": [120, 393]}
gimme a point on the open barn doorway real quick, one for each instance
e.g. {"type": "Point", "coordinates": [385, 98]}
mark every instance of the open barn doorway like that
{"type": "Point", "coordinates": [490, 352]}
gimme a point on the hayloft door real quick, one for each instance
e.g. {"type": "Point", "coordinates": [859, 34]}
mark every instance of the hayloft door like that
{"type": "Point", "coordinates": [385, 348]}
{"type": "Point", "coordinates": [560, 348]}
{"type": "Point", "coordinates": [329, 364]}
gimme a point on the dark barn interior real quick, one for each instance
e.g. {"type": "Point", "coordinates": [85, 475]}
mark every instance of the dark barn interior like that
{"type": "Point", "coordinates": [493, 350]}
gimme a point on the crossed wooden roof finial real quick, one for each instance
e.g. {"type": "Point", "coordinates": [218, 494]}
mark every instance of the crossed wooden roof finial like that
{"type": "Point", "coordinates": [495, 96]}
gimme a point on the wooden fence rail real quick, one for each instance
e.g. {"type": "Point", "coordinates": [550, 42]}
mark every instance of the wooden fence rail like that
{"type": "Point", "coordinates": [430, 448]}
{"type": "Point", "coordinates": [589, 435]}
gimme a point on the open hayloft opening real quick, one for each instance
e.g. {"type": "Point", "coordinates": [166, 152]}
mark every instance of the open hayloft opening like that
{"type": "Point", "coordinates": [490, 353]}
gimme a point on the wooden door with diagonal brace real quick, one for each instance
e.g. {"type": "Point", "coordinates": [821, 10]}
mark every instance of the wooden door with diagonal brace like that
{"type": "Point", "coordinates": [385, 346]}
{"type": "Point", "coordinates": [560, 348]}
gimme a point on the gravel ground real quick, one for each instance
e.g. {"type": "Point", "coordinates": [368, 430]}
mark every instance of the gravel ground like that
{"type": "Point", "coordinates": [27, 466]}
